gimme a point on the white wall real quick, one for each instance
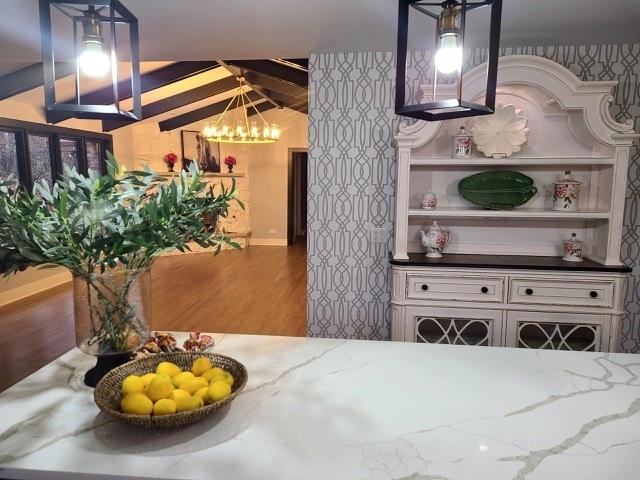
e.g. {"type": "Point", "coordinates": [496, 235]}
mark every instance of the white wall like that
{"type": "Point", "coordinates": [269, 171]}
{"type": "Point", "coordinates": [266, 164]}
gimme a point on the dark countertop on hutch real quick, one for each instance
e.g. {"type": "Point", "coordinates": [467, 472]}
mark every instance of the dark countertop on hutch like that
{"type": "Point", "coordinates": [516, 262]}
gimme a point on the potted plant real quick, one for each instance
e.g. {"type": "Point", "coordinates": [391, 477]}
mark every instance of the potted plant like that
{"type": "Point", "coordinates": [230, 161]}
{"type": "Point", "coordinates": [107, 230]}
{"type": "Point", "coordinates": [170, 159]}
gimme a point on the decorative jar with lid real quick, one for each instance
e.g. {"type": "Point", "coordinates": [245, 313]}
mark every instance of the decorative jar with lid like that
{"type": "Point", "coordinates": [462, 144]}
{"type": "Point", "coordinates": [572, 249]}
{"type": "Point", "coordinates": [565, 193]}
{"type": "Point", "coordinates": [429, 201]}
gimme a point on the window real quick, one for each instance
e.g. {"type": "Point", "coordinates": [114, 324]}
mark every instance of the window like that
{"type": "Point", "coordinates": [30, 152]}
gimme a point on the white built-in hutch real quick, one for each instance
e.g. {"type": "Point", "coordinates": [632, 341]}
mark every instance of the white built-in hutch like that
{"type": "Point", "coordinates": [501, 281]}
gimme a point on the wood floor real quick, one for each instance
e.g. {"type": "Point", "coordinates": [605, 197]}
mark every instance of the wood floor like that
{"type": "Point", "coordinates": [259, 290]}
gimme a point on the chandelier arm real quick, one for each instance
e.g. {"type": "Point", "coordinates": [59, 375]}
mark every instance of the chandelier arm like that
{"type": "Point", "coordinates": [225, 111]}
{"type": "Point", "coordinates": [244, 109]}
{"type": "Point", "coordinates": [256, 110]}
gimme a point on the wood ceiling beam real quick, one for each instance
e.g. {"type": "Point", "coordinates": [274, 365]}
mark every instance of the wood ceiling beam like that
{"type": "Point", "coordinates": [30, 77]}
{"type": "Point", "coordinates": [201, 113]}
{"type": "Point", "coordinates": [176, 101]}
{"type": "Point", "coordinates": [148, 81]}
{"type": "Point", "coordinates": [239, 73]}
{"type": "Point", "coordinates": [274, 69]}
{"type": "Point", "coordinates": [275, 84]}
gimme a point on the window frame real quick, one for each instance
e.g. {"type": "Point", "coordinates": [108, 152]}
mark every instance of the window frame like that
{"type": "Point", "coordinates": [22, 129]}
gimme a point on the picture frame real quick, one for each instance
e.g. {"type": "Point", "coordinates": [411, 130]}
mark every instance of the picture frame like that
{"type": "Point", "coordinates": [194, 147]}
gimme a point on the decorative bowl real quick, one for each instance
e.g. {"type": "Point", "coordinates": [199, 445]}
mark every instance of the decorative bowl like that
{"type": "Point", "coordinates": [497, 189]}
{"type": "Point", "coordinates": [107, 394]}
{"type": "Point", "coordinates": [502, 134]}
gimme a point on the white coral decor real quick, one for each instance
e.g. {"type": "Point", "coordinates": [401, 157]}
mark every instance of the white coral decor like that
{"type": "Point", "coordinates": [501, 134]}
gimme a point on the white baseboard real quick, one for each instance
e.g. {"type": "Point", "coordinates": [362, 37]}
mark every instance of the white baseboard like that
{"type": "Point", "coordinates": [280, 242]}
{"type": "Point", "coordinates": [32, 288]}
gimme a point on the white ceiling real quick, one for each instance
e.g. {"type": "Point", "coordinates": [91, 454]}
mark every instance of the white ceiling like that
{"type": "Point", "coordinates": [207, 29]}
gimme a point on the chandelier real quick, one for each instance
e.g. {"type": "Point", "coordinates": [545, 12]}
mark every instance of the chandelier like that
{"type": "Point", "coordinates": [232, 126]}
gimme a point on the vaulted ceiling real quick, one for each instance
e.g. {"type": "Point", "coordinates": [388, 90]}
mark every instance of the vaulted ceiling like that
{"type": "Point", "coordinates": [175, 94]}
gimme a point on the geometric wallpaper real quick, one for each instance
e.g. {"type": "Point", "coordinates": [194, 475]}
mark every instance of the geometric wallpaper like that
{"type": "Point", "coordinates": [352, 176]}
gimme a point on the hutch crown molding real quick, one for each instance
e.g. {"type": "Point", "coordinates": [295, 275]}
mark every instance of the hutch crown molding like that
{"type": "Point", "coordinates": [501, 281]}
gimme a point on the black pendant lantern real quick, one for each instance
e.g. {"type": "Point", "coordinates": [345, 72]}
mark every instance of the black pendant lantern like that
{"type": "Point", "coordinates": [95, 50]}
{"type": "Point", "coordinates": [448, 20]}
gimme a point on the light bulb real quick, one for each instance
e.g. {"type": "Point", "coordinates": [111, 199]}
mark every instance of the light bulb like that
{"type": "Point", "coordinates": [275, 133]}
{"type": "Point", "coordinates": [93, 61]}
{"type": "Point", "coordinates": [448, 58]}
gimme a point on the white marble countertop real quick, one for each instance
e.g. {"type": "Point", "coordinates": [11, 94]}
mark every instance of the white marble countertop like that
{"type": "Point", "coordinates": [332, 410]}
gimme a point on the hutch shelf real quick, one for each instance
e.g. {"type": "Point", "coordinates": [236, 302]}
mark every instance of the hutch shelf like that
{"type": "Point", "coordinates": [501, 281]}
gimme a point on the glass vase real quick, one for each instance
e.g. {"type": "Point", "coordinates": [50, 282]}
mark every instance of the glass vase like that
{"type": "Point", "coordinates": [111, 311]}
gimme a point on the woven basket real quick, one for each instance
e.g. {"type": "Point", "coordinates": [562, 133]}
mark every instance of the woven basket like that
{"type": "Point", "coordinates": [107, 394]}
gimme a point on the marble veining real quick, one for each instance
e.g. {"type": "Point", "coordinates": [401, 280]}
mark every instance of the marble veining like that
{"type": "Point", "coordinates": [349, 409]}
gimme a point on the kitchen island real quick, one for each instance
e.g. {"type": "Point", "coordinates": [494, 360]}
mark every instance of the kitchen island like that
{"type": "Point", "coordinates": [347, 409]}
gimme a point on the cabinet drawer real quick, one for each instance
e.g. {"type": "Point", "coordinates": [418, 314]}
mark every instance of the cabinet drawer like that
{"type": "Point", "coordinates": [558, 292]}
{"type": "Point", "coordinates": [454, 287]}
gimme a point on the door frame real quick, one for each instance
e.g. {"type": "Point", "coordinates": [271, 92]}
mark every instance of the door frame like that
{"type": "Point", "coordinates": [290, 199]}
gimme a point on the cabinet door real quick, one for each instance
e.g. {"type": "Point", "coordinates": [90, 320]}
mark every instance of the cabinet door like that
{"type": "Point", "coordinates": [454, 326]}
{"type": "Point", "coordinates": [558, 331]}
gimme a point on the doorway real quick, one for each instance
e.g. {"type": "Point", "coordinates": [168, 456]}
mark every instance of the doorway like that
{"type": "Point", "coordinates": [297, 201]}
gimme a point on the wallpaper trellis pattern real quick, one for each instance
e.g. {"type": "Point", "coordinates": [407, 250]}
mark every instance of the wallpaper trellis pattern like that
{"type": "Point", "coordinates": [352, 175]}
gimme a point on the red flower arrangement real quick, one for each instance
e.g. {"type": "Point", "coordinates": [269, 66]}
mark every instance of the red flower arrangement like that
{"type": "Point", "coordinates": [230, 161]}
{"type": "Point", "coordinates": [170, 159]}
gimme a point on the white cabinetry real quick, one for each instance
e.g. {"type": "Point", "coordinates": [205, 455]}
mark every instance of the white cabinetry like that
{"type": "Point", "coordinates": [513, 308]}
{"type": "Point", "coordinates": [502, 268]}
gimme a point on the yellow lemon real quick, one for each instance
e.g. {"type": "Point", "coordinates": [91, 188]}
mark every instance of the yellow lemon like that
{"type": "Point", "coordinates": [165, 406]}
{"type": "Point", "coordinates": [220, 376]}
{"type": "Point", "coordinates": [177, 394]}
{"type": "Point", "coordinates": [137, 404]}
{"type": "Point", "coordinates": [182, 377]}
{"type": "Point", "coordinates": [228, 378]}
{"type": "Point", "coordinates": [214, 372]}
{"type": "Point", "coordinates": [160, 387]}
{"type": "Point", "coordinates": [219, 390]}
{"type": "Point", "coordinates": [201, 365]}
{"type": "Point", "coordinates": [203, 393]}
{"type": "Point", "coordinates": [147, 377]}
{"type": "Point", "coordinates": [188, 403]}
{"type": "Point", "coordinates": [169, 369]}
{"type": "Point", "coordinates": [193, 385]}
{"type": "Point", "coordinates": [132, 384]}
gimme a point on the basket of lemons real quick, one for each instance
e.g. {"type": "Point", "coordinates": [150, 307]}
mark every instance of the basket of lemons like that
{"type": "Point", "coordinates": [170, 389]}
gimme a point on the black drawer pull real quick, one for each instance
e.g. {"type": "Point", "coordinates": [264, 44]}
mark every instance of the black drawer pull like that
{"type": "Point", "coordinates": [484, 290]}
{"type": "Point", "coordinates": [593, 294]}
{"type": "Point", "coordinates": [425, 287]}
{"type": "Point", "coordinates": [528, 291]}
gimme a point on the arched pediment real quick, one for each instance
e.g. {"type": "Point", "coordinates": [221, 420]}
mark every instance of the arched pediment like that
{"type": "Point", "coordinates": [590, 99]}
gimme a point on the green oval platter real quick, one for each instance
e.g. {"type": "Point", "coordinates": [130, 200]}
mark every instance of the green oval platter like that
{"type": "Point", "coordinates": [497, 189]}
